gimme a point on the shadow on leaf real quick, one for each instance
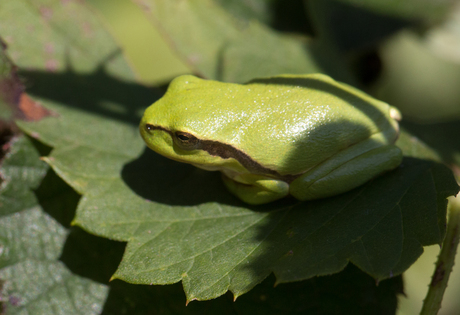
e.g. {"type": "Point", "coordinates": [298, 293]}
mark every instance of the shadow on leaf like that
{"type": "Point", "coordinates": [57, 198]}
{"type": "Point", "coordinates": [349, 292]}
{"type": "Point", "coordinates": [156, 178]}
{"type": "Point", "coordinates": [97, 92]}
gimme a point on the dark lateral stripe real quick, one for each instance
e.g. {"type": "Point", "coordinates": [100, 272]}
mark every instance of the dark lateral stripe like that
{"type": "Point", "coordinates": [226, 151]}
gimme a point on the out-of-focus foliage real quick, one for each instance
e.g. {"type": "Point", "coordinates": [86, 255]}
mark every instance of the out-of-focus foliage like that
{"type": "Point", "coordinates": [431, 10]}
{"type": "Point", "coordinates": [142, 43]}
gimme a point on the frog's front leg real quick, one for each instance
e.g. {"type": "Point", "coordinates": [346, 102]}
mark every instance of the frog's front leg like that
{"type": "Point", "coordinates": [256, 189]}
{"type": "Point", "coordinates": [346, 170]}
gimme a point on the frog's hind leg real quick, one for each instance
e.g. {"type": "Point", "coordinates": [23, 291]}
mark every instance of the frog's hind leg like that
{"type": "Point", "coordinates": [350, 170]}
{"type": "Point", "coordinates": [256, 189]}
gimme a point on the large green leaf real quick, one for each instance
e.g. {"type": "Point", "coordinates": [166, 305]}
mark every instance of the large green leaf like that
{"type": "Point", "coordinates": [94, 257]}
{"type": "Point", "coordinates": [138, 300]}
{"type": "Point", "coordinates": [181, 224]}
{"type": "Point", "coordinates": [31, 241]}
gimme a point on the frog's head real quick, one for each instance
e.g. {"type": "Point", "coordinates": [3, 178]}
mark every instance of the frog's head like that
{"type": "Point", "coordinates": [164, 124]}
{"type": "Point", "coordinates": [181, 125]}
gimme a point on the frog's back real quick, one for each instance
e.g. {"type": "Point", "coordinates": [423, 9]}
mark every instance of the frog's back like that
{"type": "Point", "coordinates": [307, 119]}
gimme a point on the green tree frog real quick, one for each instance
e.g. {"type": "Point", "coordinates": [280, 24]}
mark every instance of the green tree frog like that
{"type": "Point", "coordinates": [307, 136]}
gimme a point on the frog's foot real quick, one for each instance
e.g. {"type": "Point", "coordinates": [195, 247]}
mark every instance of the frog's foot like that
{"type": "Point", "coordinates": [329, 180]}
{"type": "Point", "coordinates": [256, 189]}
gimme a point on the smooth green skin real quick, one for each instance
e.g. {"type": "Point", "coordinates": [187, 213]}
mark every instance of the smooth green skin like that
{"type": "Point", "coordinates": [302, 135]}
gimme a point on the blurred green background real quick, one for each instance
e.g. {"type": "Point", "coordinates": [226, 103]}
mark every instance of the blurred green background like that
{"type": "Point", "coordinates": [152, 58]}
{"type": "Point", "coordinates": [419, 73]}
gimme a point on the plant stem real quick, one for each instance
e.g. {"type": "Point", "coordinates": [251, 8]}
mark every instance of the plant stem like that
{"type": "Point", "coordinates": [446, 258]}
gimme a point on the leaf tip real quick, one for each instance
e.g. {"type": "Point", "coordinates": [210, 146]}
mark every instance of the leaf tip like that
{"type": "Point", "coordinates": [189, 299]}
{"type": "Point", "coordinates": [114, 277]}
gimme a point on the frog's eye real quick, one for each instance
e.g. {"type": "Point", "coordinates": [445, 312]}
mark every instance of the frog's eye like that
{"type": "Point", "coordinates": [186, 141]}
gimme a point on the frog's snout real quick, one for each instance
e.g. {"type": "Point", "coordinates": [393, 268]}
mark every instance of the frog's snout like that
{"type": "Point", "coordinates": [144, 129]}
